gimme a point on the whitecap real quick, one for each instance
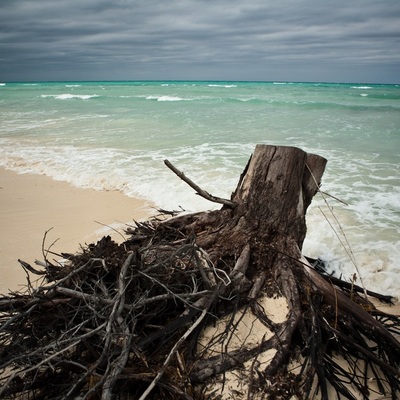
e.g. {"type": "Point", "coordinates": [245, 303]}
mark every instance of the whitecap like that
{"type": "Point", "coordinates": [166, 98]}
{"type": "Point", "coordinates": [361, 87]}
{"type": "Point", "coordinates": [171, 98]}
{"type": "Point", "coordinates": [224, 86]}
{"type": "Point", "coordinates": [68, 96]}
{"type": "Point", "coordinates": [2, 84]}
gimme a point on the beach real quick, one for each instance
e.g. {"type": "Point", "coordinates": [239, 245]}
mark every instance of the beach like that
{"type": "Point", "coordinates": [32, 205]}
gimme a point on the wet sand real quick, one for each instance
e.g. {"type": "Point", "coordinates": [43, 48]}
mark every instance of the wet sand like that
{"type": "Point", "coordinates": [30, 205]}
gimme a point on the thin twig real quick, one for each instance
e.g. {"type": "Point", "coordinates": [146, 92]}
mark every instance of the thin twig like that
{"type": "Point", "coordinates": [348, 250]}
{"type": "Point", "coordinates": [111, 228]}
{"type": "Point", "coordinates": [333, 197]}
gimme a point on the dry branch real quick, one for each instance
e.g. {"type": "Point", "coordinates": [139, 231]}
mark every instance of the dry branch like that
{"type": "Point", "coordinates": [197, 188]}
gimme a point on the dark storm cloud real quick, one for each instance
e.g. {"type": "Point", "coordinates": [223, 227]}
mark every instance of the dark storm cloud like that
{"type": "Point", "coordinates": [187, 39]}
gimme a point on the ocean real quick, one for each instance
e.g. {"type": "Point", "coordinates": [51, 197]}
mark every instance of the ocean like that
{"type": "Point", "coordinates": [116, 135]}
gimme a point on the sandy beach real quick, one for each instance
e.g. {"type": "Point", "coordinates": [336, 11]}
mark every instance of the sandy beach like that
{"type": "Point", "coordinates": [34, 204]}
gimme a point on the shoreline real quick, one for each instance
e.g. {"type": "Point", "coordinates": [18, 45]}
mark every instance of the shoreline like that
{"type": "Point", "coordinates": [32, 205]}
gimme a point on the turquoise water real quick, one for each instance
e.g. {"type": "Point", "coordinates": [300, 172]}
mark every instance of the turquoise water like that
{"type": "Point", "coordinates": [115, 136]}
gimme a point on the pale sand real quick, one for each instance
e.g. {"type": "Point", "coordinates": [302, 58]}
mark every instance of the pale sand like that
{"type": "Point", "coordinates": [32, 204]}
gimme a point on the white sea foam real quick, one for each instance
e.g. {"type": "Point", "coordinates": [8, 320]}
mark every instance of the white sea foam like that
{"type": "Point", "coordinates": [246, 99]}
{"type": "Point", "coordinates": [363, 94]}
{"type": "Point", "coordinates": [110, 169]}
{"type": "Point", "coordinates": [362, 87]}
{"type": "Point", "coordinates": [68, 96]}
{"type": "Point", "coordinates": [223, 86]}
{"type": "Point", "coordinates": [348, 248]}
{"type": "Point", "coordinates": [2, 84]}
{"type": "Point", "coordinates": [167, 98]}
{"type": "Point", "coordinates": [73, 86]}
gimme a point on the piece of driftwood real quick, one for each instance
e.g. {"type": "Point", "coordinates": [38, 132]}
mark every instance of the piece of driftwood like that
{"type": "Point", "coordinates": [186, 308]}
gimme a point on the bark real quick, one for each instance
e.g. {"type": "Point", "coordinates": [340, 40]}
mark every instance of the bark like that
{"type": "Point", "coordinates": [276, 190]}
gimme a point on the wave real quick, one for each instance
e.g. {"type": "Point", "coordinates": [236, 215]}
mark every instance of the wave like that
{"type": "Point", "coordinates": [277, 102]}
{"type": "Point", "coordinates": [69, 96]}
{"type": "Point", "coordinates": [343, 106]}
{"type": "Point", "coordinates": [384, 96]}
{"type": "Point", "coordinates": [110, 169]}
{"type": "Point", "coordinates": [223, 86]}
{"type": "Point", "coordinates": [309, 104]}
{"type": "Point", "coordinates": [167, 98]}
{"type": "Point", "coordinates": [362, 87]}
{"type": "Point", "coordinates": [2, 84]}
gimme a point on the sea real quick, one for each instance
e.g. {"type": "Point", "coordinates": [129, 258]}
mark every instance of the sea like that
{"type": "Point", "coordinates": [116, 136]}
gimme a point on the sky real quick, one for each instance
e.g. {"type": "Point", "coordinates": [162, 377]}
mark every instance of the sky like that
{"type": "Point", "coordinates": [249, 40]}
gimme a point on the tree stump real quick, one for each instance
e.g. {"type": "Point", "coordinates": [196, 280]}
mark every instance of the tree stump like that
{"type": "Point", "coordinates": [267, 228]}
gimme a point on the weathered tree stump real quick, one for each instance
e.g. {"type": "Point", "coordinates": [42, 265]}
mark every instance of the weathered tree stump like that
{"type": "Point", "coordinates": [187, 307]}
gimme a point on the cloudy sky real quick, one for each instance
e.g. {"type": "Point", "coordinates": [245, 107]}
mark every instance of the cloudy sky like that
{"type": "Point", "coordinates": [286, 40]}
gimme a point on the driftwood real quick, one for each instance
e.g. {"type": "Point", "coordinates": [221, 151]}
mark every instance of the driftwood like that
{"type": "Point", "coordinates": [187, 303]}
